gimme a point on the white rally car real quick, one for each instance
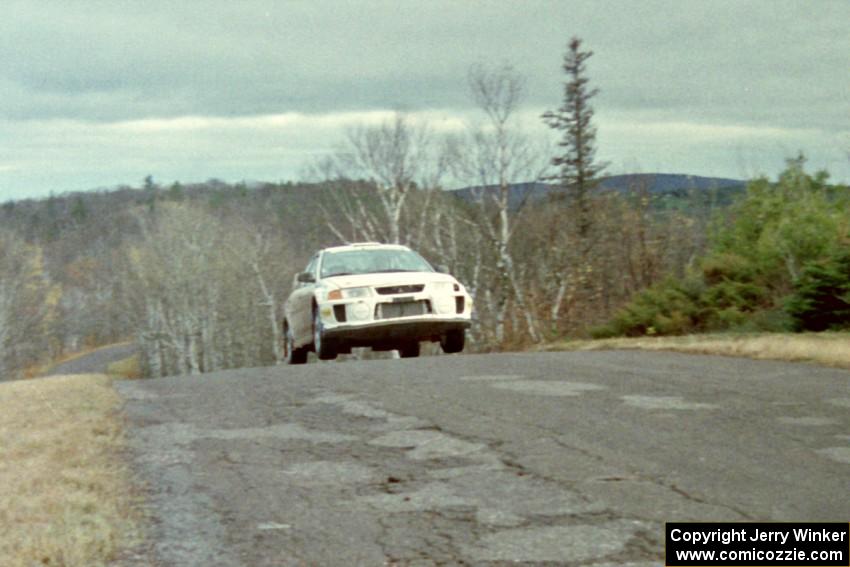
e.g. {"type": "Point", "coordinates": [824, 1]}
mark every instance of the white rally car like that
{"type": "Point", "coordinates": [374, 295]}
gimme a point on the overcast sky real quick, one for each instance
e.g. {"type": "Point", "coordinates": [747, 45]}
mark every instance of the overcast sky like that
{"type": "Point", "coordinates": [102, 93]}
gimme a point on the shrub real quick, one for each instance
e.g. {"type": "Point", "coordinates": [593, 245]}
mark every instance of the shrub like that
{"type": "Point", "coordinates": [670, 308]}
{"type": "Point", "coordinates": [821, 298]}
{"type": "Point", "coordinates": [767, 248]}
{"type": "Point", "coordinates": [742, 296]}
{"type": "Point", "coordinates": [726, 266]}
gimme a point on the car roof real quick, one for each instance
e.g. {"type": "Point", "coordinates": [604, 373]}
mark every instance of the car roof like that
{"type": "Point", "coordinates": [365, 246]}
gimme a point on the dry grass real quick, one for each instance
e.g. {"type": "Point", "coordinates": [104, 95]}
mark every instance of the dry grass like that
{"type": "Point", "coordinates": [65, 495]}
{"type": "Point", "coordinates": [126, 368]}
{"type": "Point", "coordinates": [829, 349]}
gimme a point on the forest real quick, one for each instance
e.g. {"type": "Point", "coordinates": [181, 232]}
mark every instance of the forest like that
{"type": "Point", "coordinates": [197, 275]}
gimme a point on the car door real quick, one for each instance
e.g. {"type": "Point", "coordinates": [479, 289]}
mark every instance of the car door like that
{"type": "Point", "coordinates": [299, 308]}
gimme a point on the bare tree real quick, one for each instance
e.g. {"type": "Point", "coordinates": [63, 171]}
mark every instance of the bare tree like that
{"type": "Point", "coordinates": [397, 158]}
{"type": "Point", "coordinates": [25, 305]}
{"type": "Point", "coordinates": [270, 262]}
{"type": "Point", "coordinates": [182, 275]}
{"type": "Point", "coordinates": [495, 157]}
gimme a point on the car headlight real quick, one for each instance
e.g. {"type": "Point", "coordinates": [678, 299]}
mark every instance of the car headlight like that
{"type": "Point", "coordinates": [351, 292]}
{"type": "Point", "coordinates": [348, 293]}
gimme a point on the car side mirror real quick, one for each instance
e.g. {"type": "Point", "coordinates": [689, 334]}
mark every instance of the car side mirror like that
{"type": "Point", "coordinates": [442, 268]}
{"type": "Point", "coordinates": [306, 277]}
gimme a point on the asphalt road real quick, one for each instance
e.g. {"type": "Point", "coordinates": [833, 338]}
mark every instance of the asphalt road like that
{"type": "Point", "coordinates": [552, 458]}
{"type": "Point", "coordinates": [95, 362]}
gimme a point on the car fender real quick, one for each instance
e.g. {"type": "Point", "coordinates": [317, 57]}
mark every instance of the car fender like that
{"type": "Point", "coordinates": [299, 315]}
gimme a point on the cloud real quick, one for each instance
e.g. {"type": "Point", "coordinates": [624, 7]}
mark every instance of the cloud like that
{"type": "Point", "coordinates": [125, 60]}
{"type": "Point", "coordinates": [708, 133]}
{"type": "Point", "coordinates": [190, 87]}
{"type": "Point", "coordinates": [292, 122]}
{"type": "Point", "coordinates": [62, 154]}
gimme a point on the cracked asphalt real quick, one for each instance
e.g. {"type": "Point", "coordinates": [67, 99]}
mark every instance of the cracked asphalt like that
{"type": "Point", "coordinates": [534, 458]}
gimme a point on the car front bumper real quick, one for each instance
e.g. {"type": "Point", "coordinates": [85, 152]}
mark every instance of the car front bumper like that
{"type": "Point", "coordinates": [384, 321]}
{"type": "Point", "coordinates": [392, 331]}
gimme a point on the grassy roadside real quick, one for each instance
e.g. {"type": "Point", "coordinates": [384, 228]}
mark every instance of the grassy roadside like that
{"type": "Point", "coordinates": [829, 349]}
{"type": "Point", "coordinates": [125, 368]}
{"type": "Point", "coordinates": [65, 496]}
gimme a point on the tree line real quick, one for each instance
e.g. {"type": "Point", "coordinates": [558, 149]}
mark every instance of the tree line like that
{"type": "Point", "coordinates": [196, 274]}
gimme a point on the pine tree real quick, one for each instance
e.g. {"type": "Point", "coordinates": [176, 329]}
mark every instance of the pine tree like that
{"type": "Point", "coordinates": [821, 298]}
{"type": "Point", "coordinates": [577, 169]}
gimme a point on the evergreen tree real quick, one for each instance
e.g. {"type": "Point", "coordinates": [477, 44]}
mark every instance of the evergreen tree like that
{"type": "Point", "coordinates": [821, 298]}
{"type": "Point", "coordinates": [577, 168]}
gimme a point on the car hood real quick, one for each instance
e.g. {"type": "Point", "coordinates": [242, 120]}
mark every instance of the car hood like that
{"type": "Point", "coordinates": [387, 278]}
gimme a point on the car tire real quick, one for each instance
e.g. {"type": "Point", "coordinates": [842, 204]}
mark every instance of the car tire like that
{"type": "Point", "coordinates": [409, 350]}
{"type": "Point", "coordinates": [292, 354]}
{"type": "Point", "coordinates": [324, 348]}
{"type": "Point", "coordinates": [453, 341]}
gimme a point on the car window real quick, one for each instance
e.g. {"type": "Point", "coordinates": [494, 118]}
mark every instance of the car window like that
{"type": "Point", "coordinates": [372, 262]}
{"type": "Point", "coordinates": [311, 267]}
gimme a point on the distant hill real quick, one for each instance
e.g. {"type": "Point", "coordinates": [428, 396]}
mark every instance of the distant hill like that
{"type": "Point", "coordinates": [655, 183]}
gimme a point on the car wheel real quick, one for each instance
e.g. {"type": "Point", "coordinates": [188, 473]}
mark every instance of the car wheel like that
{"type": "Point", "coordinates": [453, 341]}
{"type": "Point", "coordinates": [292, 354]}
{"type": "Point", "coordinates": [409, 350]}
{"type": "Point", "coordinates": [323, 348]}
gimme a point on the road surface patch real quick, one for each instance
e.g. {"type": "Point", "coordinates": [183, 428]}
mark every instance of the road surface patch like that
{"type": "Point", "coordinates": [427, 444]}
{"type": "Point", "coordinates": [664, 403]}
{"type": "Point", "coordinates": [273, 526]}
{"type": "Point", "coordinates": [562, 544]}
{"type": "Point", "coordinates": [279, 431]}
{"type": "Point", "coordinates": [406, 439]}
{"type": "Point", "coordinates": [498, 518]}
{"type": "Point", "coordinates": [498, 498]}
{"type": "Point", "coordinates": [503, 492]}
{"type": "Point", "coordinates": [329, 472]}
{"type": "Point", "coordinates": [185, 433]}
{"type": "Point", "coordinates": [840, 454]}
{"type": "Point", "coordinates": [807, 421]}
{"type": "Point", "coordinates": [432, 496]}
{"type": "Point", "coordinates": [548, 388]}
{"type": "Point", "coordinates": [455, 472]}
{"type": "Point", "coordinates": [352, 406]}
{"type": "Point", "coordinates": [492, 377]}
{"type": "Point", "coordinates": [842, 402]}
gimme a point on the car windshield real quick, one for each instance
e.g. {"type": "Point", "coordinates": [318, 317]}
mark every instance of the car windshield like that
{"type": "Point", "coordinates": [372, 261]}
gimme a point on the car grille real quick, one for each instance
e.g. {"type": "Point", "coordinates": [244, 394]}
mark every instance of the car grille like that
{"type": "Point", "coordinates": [394, 289]}
{"type": "Point", "coordinates": [402, 309]}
